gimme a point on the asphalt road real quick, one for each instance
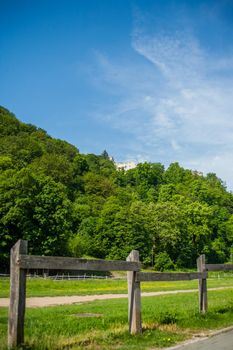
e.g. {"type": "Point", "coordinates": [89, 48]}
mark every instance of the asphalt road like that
{"type": "Point", "coordinates": [222, 341]}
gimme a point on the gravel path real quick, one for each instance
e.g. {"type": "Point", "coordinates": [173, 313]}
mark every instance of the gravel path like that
{"type": "Point", "coordinates": [51, 301]}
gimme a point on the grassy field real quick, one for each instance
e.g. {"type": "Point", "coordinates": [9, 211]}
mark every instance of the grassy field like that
{"type": "Point", "coordinates": [166, 321]}
{"type": "Point", "coordinates": [47, 287]}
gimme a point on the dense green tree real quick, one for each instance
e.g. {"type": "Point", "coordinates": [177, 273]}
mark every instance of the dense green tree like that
{"type": "Point", "coordinates": [80, 165]}
{"type": "Point", "coordinates": [35, 208]}
{"type": "Point", "coordinates": [56, 166]}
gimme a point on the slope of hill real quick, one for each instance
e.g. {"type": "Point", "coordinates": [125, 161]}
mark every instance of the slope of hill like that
{"type": "Point", "coordinates": [65, 202]}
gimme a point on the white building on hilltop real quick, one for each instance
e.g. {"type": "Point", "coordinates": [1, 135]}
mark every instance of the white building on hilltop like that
{"type": "Point", "coordinates": [125, 165]}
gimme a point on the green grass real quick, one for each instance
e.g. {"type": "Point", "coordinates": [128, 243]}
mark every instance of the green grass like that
{"type": "Point", "coordinates": [47, 287]}
{"type": "Point", "coordinates": [166, 321]}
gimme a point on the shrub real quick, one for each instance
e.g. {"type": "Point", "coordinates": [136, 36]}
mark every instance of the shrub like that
{"type": "Point", "coordinates": [163, 262]}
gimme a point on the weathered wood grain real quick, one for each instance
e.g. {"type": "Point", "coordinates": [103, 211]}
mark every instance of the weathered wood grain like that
{"type": "Point", "coordinates": [134, 297]}
{"type": "Point", "coordinates": [17, 296]}
{"type": "Point", "coordinates": [63, 263]}
{"type": "Point", "coordinates": [164, 276]}
{"type": "Point", "coordinates": [202, 284]}
{"type": "Point", "coordinates": [219, 267]}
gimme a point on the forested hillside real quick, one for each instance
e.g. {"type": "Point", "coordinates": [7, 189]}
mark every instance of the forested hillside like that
{"type": "Point", "coordinates": [67, 203]}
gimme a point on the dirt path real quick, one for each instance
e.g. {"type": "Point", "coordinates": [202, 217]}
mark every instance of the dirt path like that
{"type": "Point", "coordinates": [51, 301]}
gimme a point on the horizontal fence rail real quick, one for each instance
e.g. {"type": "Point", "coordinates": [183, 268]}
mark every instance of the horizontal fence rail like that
{"type": "Point", "coordinates": [63, 263]}
{"type": "Point", "coordinates": [163, 276]}
{"type": "Point", "coordinates": [219, 267]}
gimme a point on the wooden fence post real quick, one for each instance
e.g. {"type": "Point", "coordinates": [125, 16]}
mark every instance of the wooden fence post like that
{"type": "Point", "coordinates": [203, 302]}
{"type": "Point", "coordinates": [134, 297]}
{"type": "Point", "coordinates": [17, 296]}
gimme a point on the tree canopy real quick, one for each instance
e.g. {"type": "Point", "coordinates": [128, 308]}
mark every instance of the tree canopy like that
{"type": "Point", "coordinates": [76, 204]}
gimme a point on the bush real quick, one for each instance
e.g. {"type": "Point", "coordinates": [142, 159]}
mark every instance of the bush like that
{"type": "Point", "coordinates": [163, 262]}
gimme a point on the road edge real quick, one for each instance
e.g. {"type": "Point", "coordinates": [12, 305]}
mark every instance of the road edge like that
{"type": "Point", "coordinates": [199, 338]}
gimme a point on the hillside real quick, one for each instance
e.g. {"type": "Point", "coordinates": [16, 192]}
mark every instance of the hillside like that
{"type": "Point", "coordinates": [65, 202]}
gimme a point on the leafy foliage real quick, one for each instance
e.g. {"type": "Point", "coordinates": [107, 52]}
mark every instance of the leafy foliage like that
{"type": "Point", "coordinates": [65, 202]}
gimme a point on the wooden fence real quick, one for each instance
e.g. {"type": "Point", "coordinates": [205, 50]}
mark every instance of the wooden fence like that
{"type": "Point", "coordinates": [21, 262]}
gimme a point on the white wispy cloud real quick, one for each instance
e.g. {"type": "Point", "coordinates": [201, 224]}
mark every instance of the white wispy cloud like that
{"type": "Point", "coordinates": [176, 102]}
{"type": "Point", "coordinates": [198, 102]}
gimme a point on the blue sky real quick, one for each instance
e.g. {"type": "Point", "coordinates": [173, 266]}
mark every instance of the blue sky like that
{"type": "Point", "coordinates": [145, 80]}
